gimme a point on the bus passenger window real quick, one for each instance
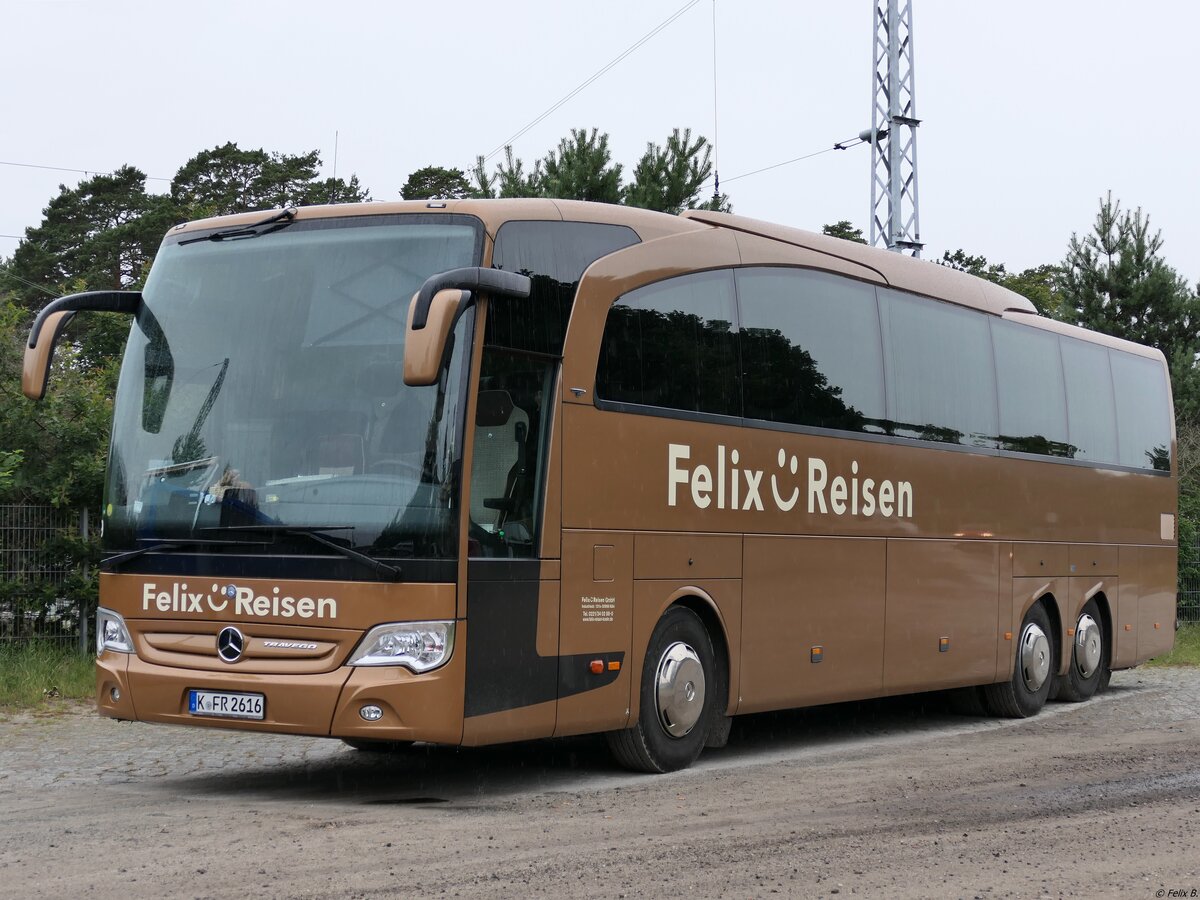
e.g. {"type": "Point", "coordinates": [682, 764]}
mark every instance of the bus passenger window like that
{"type": "Point", "coordinates": [1091, 418]}
{"type": "Point", "coordinates": [941, 382]}
{"type": "Point", "coordinates": [673, 345]}
{"type": "Point", "coordinates": [810, 349]}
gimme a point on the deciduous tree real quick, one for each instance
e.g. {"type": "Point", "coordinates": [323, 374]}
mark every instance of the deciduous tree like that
{"type": "Point", "coordinates": [100, 235]}
{"type": "Point", "coordinates": [845, 230]}
{"type": "Point", "coordinates": [436, 183]}
{"type": "Point", "coordinates": [228, 179]}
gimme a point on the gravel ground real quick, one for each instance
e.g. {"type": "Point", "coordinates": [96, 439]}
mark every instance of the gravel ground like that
{"type": "Point", "coordinates": [887, 798]}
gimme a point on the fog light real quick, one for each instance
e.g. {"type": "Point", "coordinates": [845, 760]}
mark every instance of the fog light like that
{"type": "Point", "coordinates": [114, 694]}
{"type": "Point", "coordinates": [371, 713]}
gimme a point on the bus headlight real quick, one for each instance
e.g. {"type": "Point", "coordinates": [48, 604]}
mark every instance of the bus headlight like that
{"type": "Point", "coordinates": [418, 646]}
{"type": "Point", "coordinates": [111, 633]}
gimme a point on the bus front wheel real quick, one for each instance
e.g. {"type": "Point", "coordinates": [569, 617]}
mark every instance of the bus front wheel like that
{"type": "Point", "coordinates": [1033, 673]}
{"type": "Point", "coordinates": [1089, 657]}
{"type": "Point", "coordinates": [677, 697]}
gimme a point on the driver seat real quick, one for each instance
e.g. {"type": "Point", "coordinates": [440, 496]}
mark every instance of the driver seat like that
{"type": "Point", "coordinates": [501, 430]}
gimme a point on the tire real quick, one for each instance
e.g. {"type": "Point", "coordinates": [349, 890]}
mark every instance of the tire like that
{"type": "Point", "coordinates": [1089, 657]}
{"type": "Point", "coordinates": [1033, 670]}
{"type": "Point", "coordinates": [677, 698]}
{"type": "Point", "coordinates": [376, 746]}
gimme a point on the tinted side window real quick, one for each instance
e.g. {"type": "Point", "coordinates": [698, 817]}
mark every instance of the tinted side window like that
{"type": "Point", "coordinates": [810, 349]}
{"type": "Point", "coordinates": [673, 344]}
{"type": "Point", "coordinates": [1143, 411]}
{"type": "Point", "coordinates": [1091, 420]}
{"type": "Point", "coordinates": [941, 381]}
{"type": "Point", "coordinates": [554, 255]}
{"type": "Point", "coordinates": [1033, 400]}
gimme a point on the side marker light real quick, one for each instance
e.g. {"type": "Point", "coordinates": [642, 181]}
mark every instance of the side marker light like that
{"type": "Point", "coordinates": [816, 654]}
{"type": "Point", "coordinates": [1008, 635]}
{"type": "Point", "coordinates": [597, 666]}
{"type": "Point", "coordinates": [614, 665]}
{"type": "Point", "coordinates": [943, 644]}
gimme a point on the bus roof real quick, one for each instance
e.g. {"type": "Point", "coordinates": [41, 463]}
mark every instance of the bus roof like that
{"type": "Point", "coordinates": [893, 269]}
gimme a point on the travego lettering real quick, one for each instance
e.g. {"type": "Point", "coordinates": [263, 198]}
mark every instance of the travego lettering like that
{"type": "Point", "coordinates": [730, 484]}
{"type": "Point", "coordinates": [237, 600]}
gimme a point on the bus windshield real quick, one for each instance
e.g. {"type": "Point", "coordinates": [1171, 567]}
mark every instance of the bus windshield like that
{"type": "Point", "coordinates": [262, 391]}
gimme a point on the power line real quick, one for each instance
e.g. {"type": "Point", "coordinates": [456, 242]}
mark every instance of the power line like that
{"type": "Point", "coordinates": [643, 39]}
{"type": "Point", "coordinates": [76, 171]}
{"type": "Point", "coordinates": [840, 145]}
{"type": "Point", "coordinates": [32, 284]}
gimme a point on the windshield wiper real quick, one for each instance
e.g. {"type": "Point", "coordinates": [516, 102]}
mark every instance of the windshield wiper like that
{"type": "Point", "coordinates": [313, 533]}
{"type": "Point", "coordinates": [113, 562]}
{"type": "Point", "coordinates": [279, 220]}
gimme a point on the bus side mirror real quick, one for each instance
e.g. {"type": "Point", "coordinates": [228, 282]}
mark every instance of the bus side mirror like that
{"type": "Point", "coordinates": [425, 347]}
{"type": "Point", "coordinates": [436, 305]}
{"type": "Point", "coordinates": [48, 327]}
{"type": "Point", "coordinates": [35, 372]}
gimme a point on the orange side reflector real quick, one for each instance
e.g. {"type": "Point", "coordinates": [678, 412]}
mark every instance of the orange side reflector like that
{"type": "Point", "coordinates": [816, 654]}
{"type": "Point", "coordinates": [597, 666]}
{"type": "Point", "coordinates": [1129, 628]}
{"type": "Point", "coordinates": [1070, 632]}
{"type": "Point", "coordinates": [1008, 635]}
{"type": "Point", "coordinates": [1155, 624]}
{"type": "Point", "coordinates": [943, 644]}
{"type": "Point", "coordinates": [614, 666]}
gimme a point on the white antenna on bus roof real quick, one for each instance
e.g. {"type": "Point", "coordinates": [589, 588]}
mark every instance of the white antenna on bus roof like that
{"type": "Point", "coordinates": [893, 133]}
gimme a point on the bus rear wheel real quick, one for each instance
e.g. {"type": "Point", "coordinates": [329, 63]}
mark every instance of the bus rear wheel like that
{"type": "Point", "coordinates": [1033, 674]}
{"type": "Point", "coordinates": [1089, 657]}
{"type": "Point", "coordinates": [677, 698]}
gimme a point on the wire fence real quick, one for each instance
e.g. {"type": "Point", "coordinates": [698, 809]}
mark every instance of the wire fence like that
{"type": "Point", "coordinates": [1187, 598]}
{"type": "Point", "coordinates": [47, 593]}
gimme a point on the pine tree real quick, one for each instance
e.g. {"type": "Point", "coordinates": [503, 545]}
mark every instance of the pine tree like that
{"type": "Point", "coordinates": [582, 169]}
{"type": "Point", "coordinates": [1114, 280]}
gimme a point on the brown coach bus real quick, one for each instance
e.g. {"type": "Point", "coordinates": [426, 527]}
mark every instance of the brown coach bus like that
{"type": "Point", "coordinates": [479, 471]}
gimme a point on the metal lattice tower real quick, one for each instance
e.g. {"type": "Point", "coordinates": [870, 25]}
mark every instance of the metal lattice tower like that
{"type": "Point", "coordinates": [893, 134]}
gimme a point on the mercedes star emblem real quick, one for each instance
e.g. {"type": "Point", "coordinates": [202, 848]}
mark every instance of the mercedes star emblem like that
{"type": "Point", "coordinates": [230, 644]}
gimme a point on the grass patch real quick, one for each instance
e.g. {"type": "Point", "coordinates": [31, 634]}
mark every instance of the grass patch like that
{"type": "Point", "coordinates": [36, 675]}
{"type": "Point", "coordinates": [1186, 651]}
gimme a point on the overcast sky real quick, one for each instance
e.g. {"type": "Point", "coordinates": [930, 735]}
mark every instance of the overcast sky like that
{"type": "Point", "coordinates": [1031, 109]}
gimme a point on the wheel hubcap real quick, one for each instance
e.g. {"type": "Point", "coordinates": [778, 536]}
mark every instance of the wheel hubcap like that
{"type": "Point", "coordinates": [679, 689]}
{"type": "Point", "coordinates": [1035, 657]}
{"type": "Point", "coordinates": [1087, 646]}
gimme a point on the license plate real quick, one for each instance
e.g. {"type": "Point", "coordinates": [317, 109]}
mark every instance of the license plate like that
{"type": "Point", "coordinates": [229, 704]}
